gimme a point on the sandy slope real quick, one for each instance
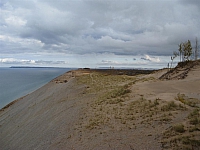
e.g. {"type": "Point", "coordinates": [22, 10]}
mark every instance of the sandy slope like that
{"type": "Point", "coordinates": [89, 111]}
{"type": "Point", "coordinates": [41, 117]}
{"type": "Point", "coordinates": [188, 86]}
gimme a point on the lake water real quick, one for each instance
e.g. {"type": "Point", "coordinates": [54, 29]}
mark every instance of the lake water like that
{"type": "Point", "coordinates": [17, 82]}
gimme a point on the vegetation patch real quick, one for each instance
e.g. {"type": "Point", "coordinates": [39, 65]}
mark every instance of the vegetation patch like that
{"type": "Point", "coordinates": [194, 117]}
{"type": "Point", "coordinates": [165, 118]}
{"type": "Point", "coordinates": [169, 106]}
{"type": "Point", "coordinates": [193, 102]}
{"type": "Point", "coordinates": [182, 142]}
{"type": "Point", "coordinates": [111, 92]}
{"type": "Point", "coordinates": [116, 108]}
{"type": "Point", "coordinates": [114, 96]}
{"type": "Point", "coordinates": [97, 82]}
{"type": "Point", "coordinates": [118, 92]}
{"type": "Point", "coordinates": [179, 128]}
{"type": "Point", "coordinates": [185, 135]}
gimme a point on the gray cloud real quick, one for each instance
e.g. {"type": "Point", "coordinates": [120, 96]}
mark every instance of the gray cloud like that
{"type": "Point", "coordinates": [79, 27]}
{"type": "Point", "coordinates": [195, 3]}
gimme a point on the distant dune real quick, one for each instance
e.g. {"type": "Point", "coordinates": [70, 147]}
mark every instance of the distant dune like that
{"type": "Point", "coordinates": [89, 109]}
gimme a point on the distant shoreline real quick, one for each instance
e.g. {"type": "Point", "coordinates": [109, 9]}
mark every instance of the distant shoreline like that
{"type": "Point", "coordinates": [100, 68]}
{"type": "Point", "coordinates": [30, 67]}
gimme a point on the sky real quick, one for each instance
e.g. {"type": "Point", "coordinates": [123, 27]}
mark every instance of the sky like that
{"type": "Point", "coordinates": [95, 33]}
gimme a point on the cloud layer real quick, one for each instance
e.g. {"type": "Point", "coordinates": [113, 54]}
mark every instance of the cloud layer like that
{"type": "Point", "coordinates": [147, 27]}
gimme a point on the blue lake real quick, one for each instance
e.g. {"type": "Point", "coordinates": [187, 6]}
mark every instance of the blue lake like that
{"type": "Point", "coordinates": [17, 82]}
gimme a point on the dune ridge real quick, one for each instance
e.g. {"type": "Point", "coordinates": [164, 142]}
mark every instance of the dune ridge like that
{"type": "Point", "coordinates": [92, 109]}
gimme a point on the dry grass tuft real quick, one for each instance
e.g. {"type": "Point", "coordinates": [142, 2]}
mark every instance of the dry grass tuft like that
{"type": "Point", "coordinates": [192, 102]}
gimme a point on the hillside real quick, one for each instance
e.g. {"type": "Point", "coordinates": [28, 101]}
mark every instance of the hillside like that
{"type": "Point", "coordinates": [92, 109]}
{"type": "Point", "coordinates": [181, 70]}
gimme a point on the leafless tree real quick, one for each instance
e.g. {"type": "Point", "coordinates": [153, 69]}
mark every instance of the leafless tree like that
{"type": "Point", "coordinates": [196, 49]}
{"type": "Point", "coordinates": [187, 50]}
{"type": "Point", "coordinates": [175, 54]}
{"type": "Point", "coordinates": [180, 49]}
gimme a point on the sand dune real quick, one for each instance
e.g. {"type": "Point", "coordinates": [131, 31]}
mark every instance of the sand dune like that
{"type": "Point", "coordinates": [90, 109]}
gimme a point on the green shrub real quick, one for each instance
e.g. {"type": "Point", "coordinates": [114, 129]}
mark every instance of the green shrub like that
{"type": "Point", "coordinates": [194, 113]}
{"type": "Point", "coordinates": [194, 117]}
{"type": "Point", "coordinates": [170, 106]}
{"type": "Point", "coordinates": [180, 97]}
{"type": "Point", "coordinates": [179, 128]}
{"type": "Point", "coordinates": [187, 101]}
{"type": "Point", "coordinates": [119, 92]}
{"type": "Point", "coordinates": [192, 142]}
{"type": "Point", "coordinates": [194, 121]}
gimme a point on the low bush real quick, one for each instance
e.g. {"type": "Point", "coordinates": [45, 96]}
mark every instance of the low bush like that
{"type": "Point", "coordinates": [170, 106]}
{"type": "Point", "coordinates": [179, 128]}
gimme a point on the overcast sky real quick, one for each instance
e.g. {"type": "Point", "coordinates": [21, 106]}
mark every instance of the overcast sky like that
{"type": "Point", "coordinates": [95, 33]}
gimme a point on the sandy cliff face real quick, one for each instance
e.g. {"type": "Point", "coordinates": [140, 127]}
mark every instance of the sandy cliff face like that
{"type": "Point", "coordinates": [88, 109]}
{"type": "Point", "coordinates": [41, 119]}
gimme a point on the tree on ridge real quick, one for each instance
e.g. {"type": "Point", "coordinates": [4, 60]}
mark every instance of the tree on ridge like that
{"type": "Point", "coordinates": [175, 54]}
{"type": "Point", "coordinates": [196, 49]}
{"type": "Point", "coordinates": [180, 49]}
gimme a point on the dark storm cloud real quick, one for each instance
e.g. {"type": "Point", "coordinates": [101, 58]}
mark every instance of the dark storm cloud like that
{"type": "Point", "coordinates": [196, 3]}
{"type": "Point", "coordinates": [101, 26]}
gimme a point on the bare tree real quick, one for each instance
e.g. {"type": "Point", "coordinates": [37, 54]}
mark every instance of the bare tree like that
{"type": "Point", "coordinates": [187, 50]}
{"type": "Point", "coordinates": [175, 54]}
{"type": "Point", "coordinates": [180, 49]}
{"type": "Point", "coordinates": [196, 49]}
